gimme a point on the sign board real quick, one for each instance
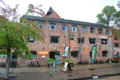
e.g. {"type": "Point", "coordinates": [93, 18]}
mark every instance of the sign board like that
{"type": "Point", "coordinates": [43, 53]}
{"type": "Point", "coordinates": [94, 53]}
{"type": "Point", "coordinates": [65, 52]}
{"type": "Point", "coordinates": [65, 66]}
{"type": "Point", "coordinates": [43, 56]}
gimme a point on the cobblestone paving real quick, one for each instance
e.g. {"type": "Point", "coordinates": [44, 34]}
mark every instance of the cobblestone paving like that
{"type": "Point", "coordinates": [79, 71]}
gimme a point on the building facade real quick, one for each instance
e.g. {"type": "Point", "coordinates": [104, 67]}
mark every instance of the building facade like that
{"type": "Point", "coordinates": [74, 37]}
{"type": "Point", "coordinates": [116, 46]}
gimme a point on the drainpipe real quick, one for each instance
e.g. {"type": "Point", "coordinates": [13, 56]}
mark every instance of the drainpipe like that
{"type": "Point", "coordinates": [69, 40]}
{"type": "Point", "coordinates": [111, 46]}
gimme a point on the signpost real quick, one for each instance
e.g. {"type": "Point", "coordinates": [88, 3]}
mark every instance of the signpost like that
{"type": "Point", "coordinates": [65, 53]}
{"type": "Point", "coordinates": [65, 66]}
{"type": "Point", "coordinates": [94, 53]}
{"type": "Point", "coordinates": [93, 57]}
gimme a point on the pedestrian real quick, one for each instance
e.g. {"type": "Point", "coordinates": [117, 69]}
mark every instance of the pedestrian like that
{"type": "Point", "coordinates": [69, 67]}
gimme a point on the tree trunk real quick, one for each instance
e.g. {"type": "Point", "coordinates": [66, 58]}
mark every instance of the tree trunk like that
{"type": "Point", "coordinates": [7, 65]}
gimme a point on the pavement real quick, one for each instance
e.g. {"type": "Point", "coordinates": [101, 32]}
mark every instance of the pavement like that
{"type": "Point", "coordinates": [80, 72]}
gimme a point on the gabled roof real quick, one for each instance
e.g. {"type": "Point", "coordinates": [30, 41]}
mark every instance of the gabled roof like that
{"type": "Point", "coordinates": [49, 11]}
{"type": "Point", "coordinates": [65, 21]}
{"type": "Point", "coordinates": [52, 14]}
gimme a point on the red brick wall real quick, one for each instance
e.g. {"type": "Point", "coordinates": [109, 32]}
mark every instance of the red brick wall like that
{"type": "Point", "coordinates": [84, 49]}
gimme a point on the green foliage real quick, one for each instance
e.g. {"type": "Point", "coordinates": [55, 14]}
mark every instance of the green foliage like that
{"type": "Point", "coordinates": [68, 60]}
{"type": "Point", "coordinates": [115, 32]}
{"type": "Point", "coordinates": [50, 60]}
{"type": "Point", "coordinates": [110, 14]}
{"type": "Point", "coordinates": [107, 15]}
{"type": "Point", "coordinates": [14, 35]}
{"type": "Point", "coordinates": [117, 19]}
{"type": "Point", "coordinates": [3, 19]}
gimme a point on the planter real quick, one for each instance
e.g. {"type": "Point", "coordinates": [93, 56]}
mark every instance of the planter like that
{"type": "Point", "coordinates": [50, 62]}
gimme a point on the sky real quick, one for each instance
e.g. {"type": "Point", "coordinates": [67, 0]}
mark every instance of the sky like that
{"type": "Point", "coordinates": [80, 10]}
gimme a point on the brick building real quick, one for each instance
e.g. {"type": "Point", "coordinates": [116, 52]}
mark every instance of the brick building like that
{"type": "Point", "coordinates": [79, 37]}
{"type": "Point", "coordinates": [116, 46]}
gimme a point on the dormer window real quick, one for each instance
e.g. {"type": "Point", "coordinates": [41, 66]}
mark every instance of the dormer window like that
{"type": "Point", "coordinates": [52, 26]}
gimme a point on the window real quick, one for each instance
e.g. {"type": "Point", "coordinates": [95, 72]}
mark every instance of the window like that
{"type": "Point", "coordinates": [99, 31]}
{"type": "Point", "coordinates": [31, 39]}
{"type": "Point", "coordinates": [83, 29]}
{"type": "Point", "coordinates": [52, 26]}
{"type": "Point", "coordinates": [115, 38]}
{"type": "Point", "coordinates": [80, 40]}
{"type": "Point", "coordinates": [54, 39]}
{"type": "Point", "coordinates": [74, 29]}
{"type": "Point", "coordinates": [71, 37]}
{"type": "Point", "coordinates": [40, 26]}
{"type": "Point", "coordinates": [116, 44]}
{"type": "Point", "coordinates": [63, 27]}
{"type": "Point", "coordinates": [75, 54]}
{"type": "Point", "coordinates": [92, 40]}
{"type": "Point", "coordinates": [103, 41]}
{"type": "Point", "coordinates": [92, 30]}
{"type": "Point", "coordinates": [105, 53]}
{"type": "Point", "coordinates": [107, 32]}
{"type": "Point", "coordinates": [3, 56]}
{"type": "Point", "coordinates": [34, 54]}
{"type": "Point", "coordinates": [118, 54]}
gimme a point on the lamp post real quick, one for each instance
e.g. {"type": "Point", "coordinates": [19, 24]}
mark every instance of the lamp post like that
{"type": "Point", "coordinates": [69, 41]}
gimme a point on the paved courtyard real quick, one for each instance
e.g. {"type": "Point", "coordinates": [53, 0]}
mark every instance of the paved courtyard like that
{"type": "Point", "coordinates": [80, 72]}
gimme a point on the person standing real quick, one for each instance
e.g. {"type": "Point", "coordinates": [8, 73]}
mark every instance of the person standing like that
{"type": "Point", "coordinates": [69, 67]}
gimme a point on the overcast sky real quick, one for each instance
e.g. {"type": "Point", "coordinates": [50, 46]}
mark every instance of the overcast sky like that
{"type": "Point", "coordinates": [81, 10]}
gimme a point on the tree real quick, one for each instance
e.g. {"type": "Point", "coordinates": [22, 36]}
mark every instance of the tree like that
{"type": "Point", "coordinates": [107, 15]}
{"type": "Point", "coordinates": [117, 16]}
{"type": "Point", "coordinates": [118, 4]}
{"type": "Point", "coordinates": [14, 35]}
{"type": "Point", "coordinates": [117, 19]}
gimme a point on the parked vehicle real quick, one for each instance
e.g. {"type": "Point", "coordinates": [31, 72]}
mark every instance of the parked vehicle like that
{"type": "Point", "coordinates": [3, 60]}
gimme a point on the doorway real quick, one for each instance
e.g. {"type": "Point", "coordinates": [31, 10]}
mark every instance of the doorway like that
{"type": "Point", "coordinates": [55, 55]}
{"type": "Point", "coordinates": [52, 55]}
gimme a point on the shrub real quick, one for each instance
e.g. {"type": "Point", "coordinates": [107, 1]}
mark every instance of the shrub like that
{"type": "Point", "coordinates": [68, 60]}
{"type": "Point", "coordinates": [50, 60]}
